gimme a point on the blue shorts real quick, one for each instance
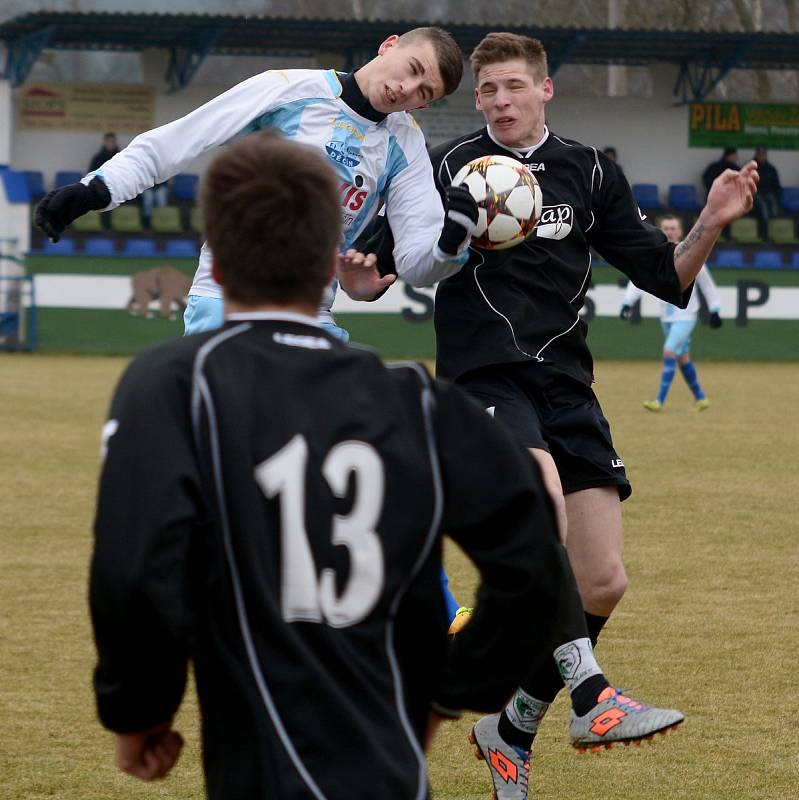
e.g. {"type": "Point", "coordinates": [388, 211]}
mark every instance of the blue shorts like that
{"type": "Point", "coordinates": [334, 329]}
{"type": "Point", "coordinates": [203, 314]}
{"type": "Point", "coordinates": [208, 313]}
{"type": "Point", "coordinates": [678, 336]}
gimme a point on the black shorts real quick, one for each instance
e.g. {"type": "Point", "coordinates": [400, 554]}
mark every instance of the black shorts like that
{"type": "Point", "coordinates": [551, 411]}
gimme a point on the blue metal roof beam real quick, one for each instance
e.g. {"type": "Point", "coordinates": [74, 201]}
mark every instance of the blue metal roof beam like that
{"type": "Point", "coordinates": [23, 52]}
{"type": "Point", "coordinates": [696, 80]}
{"type": "Point", "coordinates": [557, 59]}
{"type": "Point", "coordinates": [185, 60]}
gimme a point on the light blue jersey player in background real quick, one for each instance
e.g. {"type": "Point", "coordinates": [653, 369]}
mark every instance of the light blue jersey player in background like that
{"type": "Point", "coordinates": [678, 325]}
{"type": "Point", "coordinates": [360, 121]}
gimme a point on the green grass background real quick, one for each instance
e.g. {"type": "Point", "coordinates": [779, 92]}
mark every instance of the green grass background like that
{"type": "Point", "coordinates": [708, 625]}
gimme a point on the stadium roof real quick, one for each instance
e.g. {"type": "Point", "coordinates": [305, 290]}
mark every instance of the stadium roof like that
{"type": "Point", "coordinates": [703, 57]}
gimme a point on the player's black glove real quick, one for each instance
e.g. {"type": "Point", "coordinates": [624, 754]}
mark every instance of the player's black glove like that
{"type": "Point", "coordinates": [715, 320]}
{"type": "Point", "coordinates": [460, 221]}
{"type": "Point", "coordinates": [625, 312]}
{"type": "Point", "coordinates": [63, 206]}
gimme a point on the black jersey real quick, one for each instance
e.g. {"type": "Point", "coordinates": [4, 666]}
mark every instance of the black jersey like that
{"type": "Point", "coordinates": [524, 303]}
{"type": "Point", "coordinates": [271, 506]}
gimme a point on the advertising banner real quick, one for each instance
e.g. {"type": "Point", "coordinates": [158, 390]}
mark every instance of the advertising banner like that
{"type": "Point", "coordinates": [744, 125]}
{"type": "Point", "coordinates": [120, 107]}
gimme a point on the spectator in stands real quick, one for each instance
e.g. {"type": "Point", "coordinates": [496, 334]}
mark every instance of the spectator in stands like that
{"type": "Point", "coordinates": [149, 198]}
{"type": "Point", "coordinates": [728, 160]}
{"type": "Point", "coordinates": [767, 202]}
{"type": "Point", "coordinates": [109, 149]}
{"type": "Point", "coordinates": [610, 152]}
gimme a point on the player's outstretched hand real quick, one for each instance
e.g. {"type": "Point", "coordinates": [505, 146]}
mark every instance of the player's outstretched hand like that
{"type": "Point", "coordinates": [359, 277]}
{"type": "Point", "coordinates": [732, 195]}
{"type": "Point", "coordinates": [63, 206]}
{"type": "Point", "coordinates": [460, 221]}
{"type": "Point", "coordinates": [625, 312]}
{"type": "Point", "coordinates": [715, 320]}
{"type": "Point", "coordinates": [149, 755]}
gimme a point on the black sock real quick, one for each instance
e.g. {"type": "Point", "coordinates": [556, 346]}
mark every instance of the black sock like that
{"type": "Point", "coordinates": [585, 695]}
{"type": "Point", "coordinates": [594, 625]}
{"type": "Point", "coordinates": [512, 735]}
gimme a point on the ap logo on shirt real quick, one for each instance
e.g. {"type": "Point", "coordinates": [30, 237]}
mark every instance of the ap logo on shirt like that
{"type": "Point", "coordinates": [555, 222]}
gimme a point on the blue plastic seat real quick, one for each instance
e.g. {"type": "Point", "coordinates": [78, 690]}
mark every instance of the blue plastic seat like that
{"type": "Point", "coordinates": [646, 195]}
{"type": "Point", "coordinates": [139, 247]}
{"type": "Point", "coordinates": [99, 246]}
{"type": "Point", "coordinates": [181, 248]}
{"type": "Point", "coordinates": [35, 181]}
{"type": "Point", "coordinates": [682, 196]}
{"type": "Point", "coordinates": [63, 247]}
{"type": "Point", "coordinates": [64, 178]}
{"type": "Point", "coordinates": [795, 259]}
{"type": "Point", "coordinates": [790, 198]}
{"type": "Point", "coordinates": [767, 259]}
{"type": "Point", "coordinates": [184, 187]}
{"type": "Point", "coordinates": [15, 186]}
{"type": "Point", "coordinates": [729, 258]}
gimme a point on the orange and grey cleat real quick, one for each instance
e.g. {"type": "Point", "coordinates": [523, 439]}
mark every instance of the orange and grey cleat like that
{"type": "Point", "coordinates": [509, 765]}
{"type": "Point", "coordinates": [462, 617]}
{"type": "Point", "coordinates": [618, 718]}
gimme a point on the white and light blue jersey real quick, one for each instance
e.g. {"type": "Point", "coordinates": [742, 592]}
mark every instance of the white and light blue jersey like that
{"type": "Point", "coordinates": [672, 313]}
{"type": "Point", "coordinates": [376, 162]}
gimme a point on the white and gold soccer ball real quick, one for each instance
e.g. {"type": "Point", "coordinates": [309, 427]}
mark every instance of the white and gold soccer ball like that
{"type": "Point", "coordinates": [508, 200]}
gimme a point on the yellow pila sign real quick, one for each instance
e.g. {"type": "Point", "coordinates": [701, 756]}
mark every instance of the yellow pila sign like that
{"type": "Point", "coordinates": [775, 125]}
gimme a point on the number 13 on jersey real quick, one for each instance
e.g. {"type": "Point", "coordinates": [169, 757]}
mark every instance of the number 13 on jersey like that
{"type": "Point", "coordinates": [304, 596]}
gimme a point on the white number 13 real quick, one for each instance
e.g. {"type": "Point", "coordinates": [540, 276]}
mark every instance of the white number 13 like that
{"type": "Point", "coordinates": [303, 597]}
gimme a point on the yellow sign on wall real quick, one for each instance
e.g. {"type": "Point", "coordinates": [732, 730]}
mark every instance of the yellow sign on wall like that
{"type": "Point", "coordinates": [96, 107]}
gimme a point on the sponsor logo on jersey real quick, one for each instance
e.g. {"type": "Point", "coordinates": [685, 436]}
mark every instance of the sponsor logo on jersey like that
{"type": "Point", "coordinates": [555, 222]}
{"type": "Point", "coordinates": [342, 153]}
{"type": "Point", "coordinates": [617, 463]}
{"type": "Point", "coordinates": [536, 167]}
{"type": "Point", "coordinates": [351, 129]}
{"type": "Point", "coordinates": [352, 195]}
{"type": "Point", "coordinates": [297, 340]}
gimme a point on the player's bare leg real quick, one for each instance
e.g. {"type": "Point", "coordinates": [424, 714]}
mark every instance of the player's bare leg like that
{"type": "Point", "coordinates": [595, 545]}
{"type": "Point", "coordinates": [551, 478]}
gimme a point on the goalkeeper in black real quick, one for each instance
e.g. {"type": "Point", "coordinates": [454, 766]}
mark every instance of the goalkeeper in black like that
{"type": "Point", "coordinates": [509, 331]}
{"type": "Point", "coordinates": [270, 508]}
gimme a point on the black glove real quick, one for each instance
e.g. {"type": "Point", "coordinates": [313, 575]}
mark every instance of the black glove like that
{"type": "Point", "coordinates": [625, 312]}
{"type": "Point", "coordinates": [715, 320]}
{"type": "Point", "coordinates": [460, 220]}
{"type": "Point", "coordinates": [63, 206]}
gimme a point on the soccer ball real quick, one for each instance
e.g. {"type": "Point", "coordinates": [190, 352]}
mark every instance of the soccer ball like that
{"type": "Point", "coordinates": [508, 199]}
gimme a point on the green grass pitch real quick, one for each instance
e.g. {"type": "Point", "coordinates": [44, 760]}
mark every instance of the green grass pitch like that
{"type": "Point", "coordinates": [708, 625]}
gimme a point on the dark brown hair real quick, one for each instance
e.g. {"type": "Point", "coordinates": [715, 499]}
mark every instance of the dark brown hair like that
{"type": "Point", "coordinates": [273, 220]}
{"type": "Point", "coordinates": [448, 54]}
{"type": "Point", "coordinates": [498, 47]}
